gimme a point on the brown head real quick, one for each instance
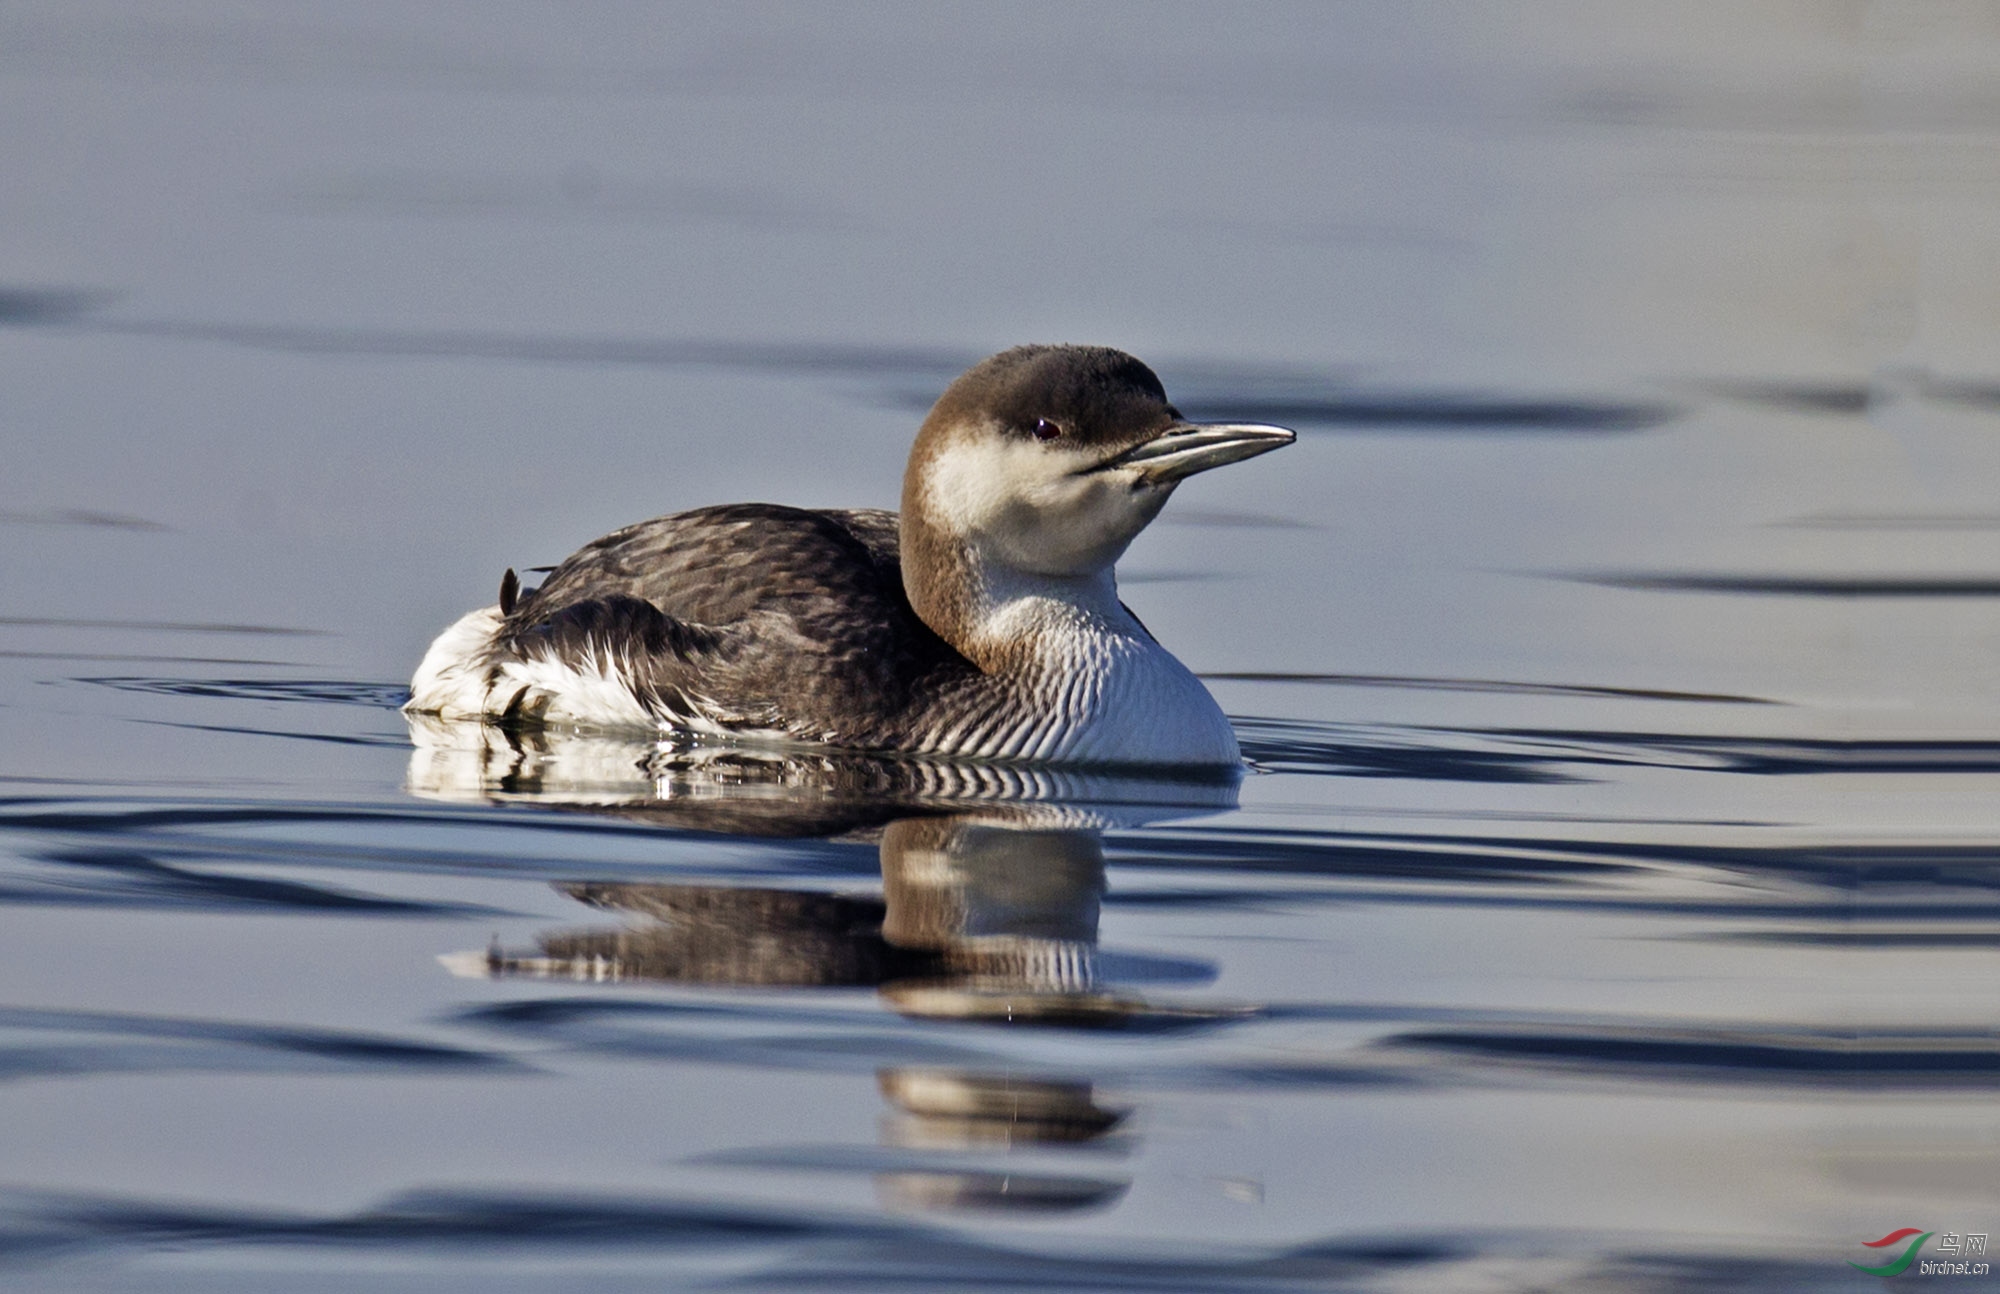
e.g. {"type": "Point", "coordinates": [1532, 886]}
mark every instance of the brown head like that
{"type": "Point", "coordinates": [1039, 466]}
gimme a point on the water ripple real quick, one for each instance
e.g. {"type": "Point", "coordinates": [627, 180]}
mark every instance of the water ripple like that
{"type": "Point", "coordinates": [1759, 755]}
{"type": "Point", "coordinates": [1441, 411]}
{"type": "Point", "coordinates": [1558, 755]}
{"type": "Point", "coordinates": [1809, 586]}
{"type": "Point", "coordinates": [1502, 686]}
{"type": "Point", "coordinates": [1870, 1058]}
{"type": "Point", "coordinates": [378, 696]}
{"type": "Point", "coordinates": [49, 1046]}
{"type": "Point", "coordinates": [1307, 746]}
{"type": "Point", "coordinates": [129, 878]}
{"type": "Point", "coordinates": [824, 1249]}
{"type": "Point", "coordinates": [158, 626]}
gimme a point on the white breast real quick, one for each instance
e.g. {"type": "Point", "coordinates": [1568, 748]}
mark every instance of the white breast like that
{"type": "Point", "coordinates": [1099, 690]}
{"type": "Point", "coordinates": [1150, 709]}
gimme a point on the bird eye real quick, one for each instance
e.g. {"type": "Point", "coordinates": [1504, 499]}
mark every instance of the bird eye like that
{"type": "Point", "coordinates": [1046, 430]}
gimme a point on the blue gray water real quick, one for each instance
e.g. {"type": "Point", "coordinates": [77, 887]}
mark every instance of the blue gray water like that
{"type": "Point", "coordinates": [1615, 900]}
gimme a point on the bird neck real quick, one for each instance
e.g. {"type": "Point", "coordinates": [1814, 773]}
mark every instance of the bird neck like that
{"type": "Point", "coordinates": [1003, 619]}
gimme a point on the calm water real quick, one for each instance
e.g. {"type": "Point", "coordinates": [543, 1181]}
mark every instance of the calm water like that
{"type": "Point", "coordinates": [1615, 900]}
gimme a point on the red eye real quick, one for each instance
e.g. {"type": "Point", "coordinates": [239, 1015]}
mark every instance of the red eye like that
{"type": "Point", "coordinates": [1046, 430]}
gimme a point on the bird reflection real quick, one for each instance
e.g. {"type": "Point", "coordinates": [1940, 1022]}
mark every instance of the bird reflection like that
{"type": "Point", "coordinates": [992, 877]}
{"type": "Point", "coordinates": [953, 1109]}
{"type": "Point", "coordinates": [747, 790]}
{"type": "Point", "coordinates": [946, 1110]}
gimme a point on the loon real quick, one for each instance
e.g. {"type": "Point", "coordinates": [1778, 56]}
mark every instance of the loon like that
{"type": "Point", "coordinates": [982, 622]}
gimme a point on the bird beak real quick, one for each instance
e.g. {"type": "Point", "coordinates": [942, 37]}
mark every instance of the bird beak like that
{"type": "Point", "coordinates": [1189, 447]}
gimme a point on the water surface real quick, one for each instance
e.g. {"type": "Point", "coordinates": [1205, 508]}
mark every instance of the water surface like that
{"type": "Point", "coordinates": [1612, 902]}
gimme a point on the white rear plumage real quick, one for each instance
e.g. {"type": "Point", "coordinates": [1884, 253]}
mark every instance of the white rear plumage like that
{"type": "Point", "coordinates": [452, 680]}
{"type": "Point", "coordinates": [460, 678]}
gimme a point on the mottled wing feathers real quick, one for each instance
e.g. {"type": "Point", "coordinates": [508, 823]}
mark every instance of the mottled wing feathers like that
{"type": "Point", "coordinates": [625, 637]}
{"type": "Point", "coordinates": [745, 616]}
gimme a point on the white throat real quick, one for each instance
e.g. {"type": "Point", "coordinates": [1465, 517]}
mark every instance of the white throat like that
{"type": "Point", "coordinates": [1043, 615]}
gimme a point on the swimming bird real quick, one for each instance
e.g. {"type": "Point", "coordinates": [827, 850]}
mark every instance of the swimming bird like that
{"type": "Point", "coordinates": [982, 622]}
